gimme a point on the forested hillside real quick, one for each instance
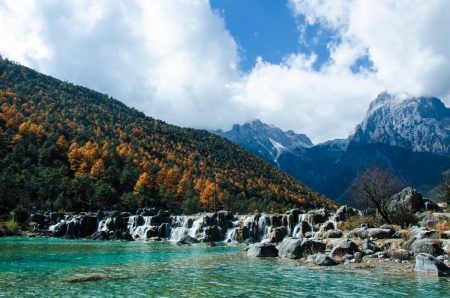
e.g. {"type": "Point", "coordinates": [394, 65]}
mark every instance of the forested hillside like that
{"type": "Point", "coordinates": [65, 147]}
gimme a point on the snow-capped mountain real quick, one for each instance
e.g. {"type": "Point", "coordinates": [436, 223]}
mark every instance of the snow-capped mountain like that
{"type": "Point", "coordinates": [268, 141]}
{"type": "Point", "coordinates": [420, 124]}
{"type": "Point", "coordinates": [408, 135]}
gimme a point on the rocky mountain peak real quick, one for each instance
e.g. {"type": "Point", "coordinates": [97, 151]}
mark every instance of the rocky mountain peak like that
{"type": "Point", "coordinates": [269, 141]}
{"type": "Point", "coordinates": [421, 124]}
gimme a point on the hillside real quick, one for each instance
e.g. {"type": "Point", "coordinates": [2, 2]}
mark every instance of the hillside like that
{"type": "Point", "coordinates": [65, 147]}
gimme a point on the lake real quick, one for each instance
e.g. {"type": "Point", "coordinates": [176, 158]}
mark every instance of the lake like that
{"type": "Point", "coordinates": [51, 267]}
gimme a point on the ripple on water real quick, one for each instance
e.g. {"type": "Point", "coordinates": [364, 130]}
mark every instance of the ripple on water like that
{"type": "Point", "coordinates": [48, 267]}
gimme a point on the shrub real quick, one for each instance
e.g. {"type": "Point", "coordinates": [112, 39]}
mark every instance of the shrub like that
{"type": "Point", "coordinates": [443, 226]}
{"type": "Point", "coordinates": [404, 219]}
{"type": "Point", "coordinates": [11, 227]}
{"type": "Point", "coordinates": [356, 221]}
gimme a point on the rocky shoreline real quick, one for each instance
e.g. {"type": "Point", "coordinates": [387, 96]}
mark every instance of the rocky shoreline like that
{"type": "Point", "coordinates": [313, 237]}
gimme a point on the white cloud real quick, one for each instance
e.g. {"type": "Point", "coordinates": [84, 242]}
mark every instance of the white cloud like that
{"type": "Point", "coordinates": [171, 59]}
{"type": "Point", "coordinates": [176, 61]}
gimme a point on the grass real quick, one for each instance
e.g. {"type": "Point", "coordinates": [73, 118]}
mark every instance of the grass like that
{"type": "Point", "coordinates": [356, 221]}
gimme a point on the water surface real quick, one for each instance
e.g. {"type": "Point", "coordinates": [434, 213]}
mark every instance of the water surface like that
{"type": "Point", "coordinates": [47, 267]}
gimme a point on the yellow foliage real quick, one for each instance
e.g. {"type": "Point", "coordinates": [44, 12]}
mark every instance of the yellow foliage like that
{"type": "Point", "coordinates": [144, 181]}
{"type": "Point", "coordinates": [98, 169]}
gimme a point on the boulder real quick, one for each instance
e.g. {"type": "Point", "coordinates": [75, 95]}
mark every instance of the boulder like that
{"type": "Point", "coordinates": [242, 233]}
{"type": "Point", "coordinates": [249, 241]}
{"type": "Point", "coordinates": [427, 246]}
{"type": "Point", "coordinates": [379, 255]}
{"type": "Point", "coordinates": [345, 212]}
{"type": "Point", "coordinates": [319, 216]}
{"type": "Point", "coordinates": [72, 230]}
{"type": "Point", "coordinates": [163, 230]}
{"type": "Point", "coordinates": [422, 233]}
{"type": "Point", "coordinates": [100, 215]}
{"type": "Point", "coordinates": [445, 235]}
{"type": "Point", "coordinates": [146, 211]}
{"type": "Point", "coordinates": [119, 235]}
{"type": "Point", "coordinates": [377, 233]}
{"type": "Point", "coordinates": [303, 228]}
{"type": "Point", "coordinates": [408, 200]}
{"type": "Point", "coordinates": [311, 247]}
{"type": "Point", "coordinates": [431, 206]}
{"type": "Point", "coordinates": [431, 221]}
{"type": "Point", "coordinates": [88, 225]}
{"type": "Point", "coordinates": [369, 245]}
{"type": "Point", "coordinates": [99, 235]}
{"type": "Point", "coordinates": [151, 232]}
{"type": "Point", "coordinates": [357, 232]}
{"type": "Point", "coordinates": [56, 217]}
{"type": "Point", "coordinates": [426, 263]}
{"type": "Point", "coordinates": [344, 247]}
{"type": "Point", "coordinates": [290, 248]}
{"type": "Point", "coordinates": [39, 219]}
{"type": "Point", "coordinates": [262, 250]}
{"type": "Point", "coordinates": [358, 257]}
{"type": "Point", "coordinates": [277, 234]}
{"type": "Point", "coordinates": [213, 234]}
{"type": "Point", "coordinates": [324, 260]}
{"type": "Point", "coordinates": [59, 229]}
{"type": "Point", "coordinates": [297, 248]}
{"type": "Point", "coordinates": [333, 234]}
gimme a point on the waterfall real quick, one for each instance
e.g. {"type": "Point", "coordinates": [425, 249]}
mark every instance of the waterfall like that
{"type": "Point", "coordinates": [230, 236]}
{"type": "Point", "coordinates": [185, 225]}
{"type": "Point", "coordinates": [264, 227]}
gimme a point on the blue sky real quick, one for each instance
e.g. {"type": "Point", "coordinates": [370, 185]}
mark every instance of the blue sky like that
{"type": "Point", "coordinates": [269, 29]}
{"type": "Point", "coordinates": [194, 63]}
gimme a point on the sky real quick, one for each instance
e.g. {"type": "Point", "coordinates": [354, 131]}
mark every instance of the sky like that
{"type": "Point", "coordinates": [311, 66]}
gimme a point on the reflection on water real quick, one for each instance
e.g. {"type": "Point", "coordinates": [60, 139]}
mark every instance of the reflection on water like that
{"type": "Point", "coordinates": [33, 267]}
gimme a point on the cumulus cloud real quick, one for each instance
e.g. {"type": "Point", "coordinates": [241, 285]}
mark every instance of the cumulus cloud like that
{"type": "Point", "coordinates": [173, 60]}
{"type": "Point", "coordinates": [176, 61]}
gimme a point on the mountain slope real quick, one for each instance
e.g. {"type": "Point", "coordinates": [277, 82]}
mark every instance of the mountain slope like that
{"type": "Point", "coordinates": [66, 147]}
{"type": "Point", "coordinates": [407, 135]}
{"type": "Point", "coordinates": [267, 141]}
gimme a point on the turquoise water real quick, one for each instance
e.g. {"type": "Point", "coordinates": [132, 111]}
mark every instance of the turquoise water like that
{"type": "Point", "coordinates": [45, 267]}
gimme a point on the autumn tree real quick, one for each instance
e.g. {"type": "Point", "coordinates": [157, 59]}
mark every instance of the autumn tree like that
{"type": "Point", "coordinates": [145, 190]}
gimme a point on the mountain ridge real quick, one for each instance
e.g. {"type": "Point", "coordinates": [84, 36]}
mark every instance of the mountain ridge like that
{"type": "Point", "coordinates": [67, 147]}
{"type": "Point", "coordinates": [407, 135]}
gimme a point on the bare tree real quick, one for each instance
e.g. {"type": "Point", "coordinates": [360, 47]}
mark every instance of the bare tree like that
{"type": "Point", "coordinates": [373, 189]}
{"type": "Point", "coordinates": [443, 192]}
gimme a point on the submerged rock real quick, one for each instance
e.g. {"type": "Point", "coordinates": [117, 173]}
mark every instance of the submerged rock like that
{"type": "Point", "coordinates": [99, 235]}
{"type": "Point", "coordinates": [426, 263]}
{"type": "Point", "coordinates": [262, 250]}
{"type": "Point", "coordinates": [187, 240]}
{"type": "Point", "coordinates": [119, 235]}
